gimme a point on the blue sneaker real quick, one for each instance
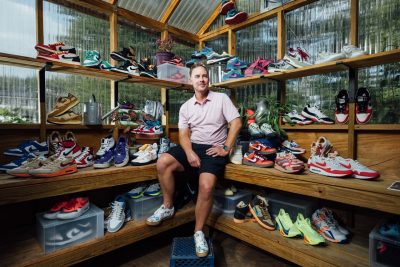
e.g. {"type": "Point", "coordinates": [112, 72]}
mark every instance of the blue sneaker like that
{"type": "Point", "coordinates": [192, 61]}
{"type": "Point", "coordinates": [232, 74]}
{"type": "Point", "coordinates": [203, 53]}
{"type": "Point", "coordinates": [236, 63]}
{"type": "Point", "coordinates": [92, 59]}
{"type": "Point", "coordinates": [16, 163]}
{"type": "Point", "coordinates": [28, 147]}
{"type": "Point", "coordinates": [152, 190]}
{"type": "Point", "coordinates": [105, 160]}
{"type": "Point", "coordinates": [390, 230]}
{"type": "Point", "coordinates": [121, 152]}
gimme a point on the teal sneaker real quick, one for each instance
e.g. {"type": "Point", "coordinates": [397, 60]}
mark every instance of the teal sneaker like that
{"type": "Point", "coordinates": [92, 58]}
{"type": "Point", "coordinates": [105, 65]}
{"type": "Point", "coordinates": [285, 225]}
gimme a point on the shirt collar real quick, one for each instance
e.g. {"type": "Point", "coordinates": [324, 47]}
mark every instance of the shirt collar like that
{"type": "Point", "coordinates": [208, 98]}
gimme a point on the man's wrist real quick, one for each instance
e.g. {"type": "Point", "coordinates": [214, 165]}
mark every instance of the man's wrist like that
{"type": "Point", "coordinates": [226, 148]}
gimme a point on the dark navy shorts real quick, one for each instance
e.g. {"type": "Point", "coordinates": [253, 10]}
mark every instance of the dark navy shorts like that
{"type": "Point", "coordinates": [214, 165]}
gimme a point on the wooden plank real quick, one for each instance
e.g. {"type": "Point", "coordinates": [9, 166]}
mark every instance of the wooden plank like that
{"type": "Point", "coordinates": [181, 34]}
{"type": "Point", "coordinates": [293, 249]}
{"type": "Point", "coordinates": [13, 190]}
{"type": "Point", "coordinates": [231, 42]}
{"type": "Point", "coordinates": [7, 126]}
{"type": "Point", "coordinates": [281, 35]}
{"type": "Point", "coordinates": [377, 127]}
{"type": "Point", "coordinates": [313, 127]}
{"type": "Point", "coordinates": [349, 191]}
{"type": "Point", "coordinates": [39, 21]}
{"type": "Point", "coordinates": [94, 5]}
{"type": "Point", "coordinates": [170, 9]}
{"type": "Point", "coordinates": [354, 10]}
{"type": "Point", "coordinates": [113, 35]}
{"type": "Point", "coordinates": [79, 127]}
{"type": "Point", "coordinates": [113, 2]}
{"type": "Point", "coordinates": [214, 15]}
{"type": "Point", "coordinates": [381, 58]}
{"type": "Point", "coordinates": [28, 253]}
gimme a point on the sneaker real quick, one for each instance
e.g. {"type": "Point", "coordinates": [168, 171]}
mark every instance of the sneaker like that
{"type": "Point", "coordinates": [164, 146]}
{"type": "Point", "coordinates": [192, 61]}
{"type": "Point", "coordinates": [353, 51]}
{"type": "Point", "coordinates": [30, 164]}
{"type": "Point", "coordinates": [105, 161]}
{"type": "Point", "coordinates": [293, 147]}
{"type": "Point", "coordinates": [117, 216]}
{"type": "Point", "coordinates": [105, 65]}
{"type": "Point", "coordinates": [294, 117]}
{"type": "Point", "coordinates": [267, 130]}
{"type": "Point", "coordinates": [327, 229]}
{"type": "Point", "coordinates": [237, 156]}
{"type": "Point", "coordinates": [298, 58]}
{"type": "Point", "coordinates": [200, 244]}
{"type": "Point", "coordinates": [54, 48]}
{"type": "Point", "coordinates": [107, 143]}
{"type": "Point", "coordinates": [70, 149]}
{"type": "Point", "coordinates": [311, 237]}
{"type": "Point", "coordinates": [235, 64]}
{"type": "Point", "coordinates": [121, 152]}
{"type": "Point", "coordinates": [137, 192]}
{"type": "Point", "coordinates": [55, 166]}
{"type": "Point", "coordinates": [258, 67]}
{"type": "Point", "coordinates": [315, 114]}
{"type": "Point", "coordinates": [16, 163]}
{"type": "Point", "coordinates": [147, 156]}
{"type": "Point", "coordinates": [259, 208]}
{"type": "Point", "coordinates": [128, 67]}
{"type": "Point", "coordinates": [359, 171]}
{"type": "Point", "coordinates": [363, 105]}
{"type": "Point", "coordinates": [390, 229]}
{"type": "Point", "coordinates": [342, 107]}
{"type": "Point", "coordinates": [235, 17]}
{"type": "Point", "coordinates": [54, 141]}
{"type": "Point", "coordinates": [242, 213]}
{"type": "Point", "coordinates": [261, 148]}
{"type": "Point", "coordinates": [203, 53]}
{"type": "Point", "coordinates": [232, 74]}
{"type": "Point", "coordinates": [151, 131]}
{"type": "Point", "coordinates": [286, 162]}
{"type": "Point", "coordinates": [328, 56]}
{"type": "Point", "coordinates": [328, 167]}
{"type": "Point", "coordinates": [75, 208]}
{"type": "Point", "coordinates": [280, 66]}
{"type": "Point", "coordinates": [55, 210]}
{"type": "Point", "coordinates": [226, 6]}
{"type": "Point", "coordinates": [63, 104]}
{"type": "Point", "coordinates": [161, 214]}
{"type": "Point", "coordinates": [327, 215]}
{"type": "Point", "coordinates": [322, 147]}
{"type": "Point", "coordinates": [32, 147]}
{"type": "Point", "coordinates": [126, 54]}
{"type": "Point", "coordinates": [153, 190]}
{"type": "Point", "coordinates": [63, 57]}
{"type": "Point", "coordinates": [255, 130]}
{"type": "Point", "coordinates": [68, 117]}
{"type": "Point", "coordinates": [92, 59]}
{"type": "Point", "coordinates": [230, 191]}
{"type": "Point", "coordinates": [285, 225]}
{"type": "Point", "coordinates": [85, 159]}
{"type": "Point", "coordinates": [253, 159]}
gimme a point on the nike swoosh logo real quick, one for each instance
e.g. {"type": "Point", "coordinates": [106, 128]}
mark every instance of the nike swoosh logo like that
{"type": "Point", "coordinates": [286, 231]}
{"type": "Point", "coordinates": [348, 166]}
{"type": "Point", "coordinates": [72, 233]}
{"type": "Point", "coordinates": [67, 164]}
{"type": "Point", "coordinates": [323, 164]}
{"type": "Point", "coordinates": [251, 160]}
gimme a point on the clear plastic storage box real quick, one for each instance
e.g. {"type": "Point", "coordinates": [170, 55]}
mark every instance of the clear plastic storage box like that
{"type": "Point", "coordinates": [57, 234]}
{"type": "Point", "coordinates": [383, 250]}
{"type": "Point", "coordinates": [171, 72]}
{"type": "Point", "coordinates": [227, 204]}
{"type": "Point", "coordinates": [144, 207]}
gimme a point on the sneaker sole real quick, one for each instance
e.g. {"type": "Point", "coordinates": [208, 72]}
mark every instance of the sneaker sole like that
{"type": "Point", "coordinates": [122, 164]}
{"type": "Point", "coordinates": [141, 164]}
{"type": "Point", "coordinates": [59, 60]}
{"type": "Point", "coordinates": [258, 165]}
{"type": "Point", "coordinates": [63, 110]}
{"type": "Point", "coordinates": [202, 255]}
{"type": "Point", "coordinates": [19, 174]}
{"type": "Point", "coordinates": [58, 173]}
{"type": "Point", "coordinates": [158, 223]}
{"type": "Point", "coordinates": [257, 220]}
{"type": "Point", "coordinates": [323, 172]}
{"type": "Point", "coordinates": [279, 168]}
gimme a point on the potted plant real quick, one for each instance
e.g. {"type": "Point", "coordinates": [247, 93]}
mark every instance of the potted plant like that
{"type": "Point", "coordinates": [164, 48]}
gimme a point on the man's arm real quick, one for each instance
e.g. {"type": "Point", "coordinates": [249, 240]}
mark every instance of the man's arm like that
{"type": "Point", "coordinates": [184, 140]}
{"type": "Point", "coordinates": [234, 129]}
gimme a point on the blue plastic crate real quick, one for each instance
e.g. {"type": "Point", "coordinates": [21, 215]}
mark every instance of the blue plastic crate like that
{"type": "Point", "coordinates": [183, 254]}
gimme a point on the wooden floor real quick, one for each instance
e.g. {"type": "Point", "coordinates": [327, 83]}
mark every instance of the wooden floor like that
{"type": "Point", "coordinates": [155, 251]}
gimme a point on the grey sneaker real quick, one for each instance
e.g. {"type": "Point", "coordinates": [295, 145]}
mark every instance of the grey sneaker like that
{"type": "Point", "coordinates": [117, 216]}
{"type": "Point", "coordinates": [255, 130]}
{"type": "Point", "coordinates": [200, 244]}
{"type": "Point", "coordinates": [161, 214]}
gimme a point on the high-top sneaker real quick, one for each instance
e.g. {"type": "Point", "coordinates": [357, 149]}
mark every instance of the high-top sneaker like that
{"type": "Point", "coordinates": [63, 57]}
{"type": "Point", "coordinates": [121, 152]}
{"type": "Point", "coordinates": [259, 208]}
{"type": "Point", "coordinates": [126, 54]}
{"type": "Point", "coordinates": [92, 59]}
{"type": "Point", "coordinates": [85, 159]}
{"type": "Point", "coordinates": [54, 48]}
{"type": "Point", "coordinates": [363, 105]}
{"type": "Point", "coordinates": [164, 146]}
{"type": "Point", "coordinates": [298, 58]}
{"type": "Point", "coordinates": [54, 141]}
{"type": "Point", "coordinates": [242, 213]}
{"type": "Point", "coordinates": [342, 107]}
{"type": "Point", "coordinates": [117, 216]}
{"type": "Point", "coordinates": [70, 149]}
{"type": "Point", "coordinates": [128, 67]}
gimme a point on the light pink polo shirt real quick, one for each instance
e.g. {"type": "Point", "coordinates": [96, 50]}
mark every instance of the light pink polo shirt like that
{"type": "Point", "coordinates": [208, 121]}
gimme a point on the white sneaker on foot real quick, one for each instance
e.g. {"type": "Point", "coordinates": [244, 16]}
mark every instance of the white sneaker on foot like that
{"type": "Point", "coordinates": [161, 214]}
{"type": "Point", "coordinates": [200, 244]}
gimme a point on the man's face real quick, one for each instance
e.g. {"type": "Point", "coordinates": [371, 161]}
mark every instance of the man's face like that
{"type": "Point", "coordinates": [199, 79]}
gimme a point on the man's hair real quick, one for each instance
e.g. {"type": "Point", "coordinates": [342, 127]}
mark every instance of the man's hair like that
{"type": "Point", "coordinates": [196, 65]}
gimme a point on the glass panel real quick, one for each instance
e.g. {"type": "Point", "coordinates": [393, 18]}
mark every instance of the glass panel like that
{"type": "Point", "coordinates": [248, 6]}
{"type": "Point", "coordinates": [183, 49]}
{"type": "Point", "coordinates": [18, 27]}
{"type": "Point", "coordinates": [19, 95]}
{"type": "Point", "coordinates": [249, 96]}
{"type": "Point", "coordinates": [219, 22]}
{"type": "Point", "coordinates": [176, 99]}
{"type": "Point", "coordinates": [383, 83]}
{"type": "Point", "coordinates": [219, 45]}
{"type": "Point", "coordinates": [150, 8]}
{"type": "Point", "coordinates": [138, 93]}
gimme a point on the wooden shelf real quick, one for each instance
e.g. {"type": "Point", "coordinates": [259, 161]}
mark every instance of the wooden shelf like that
{"type": "Point", "coordinates": [333, 66]}
{"type": "Point", "coordinates": [377, 127]}
{"type": "Point", "coordinates": [25, 251]}
{"type": "Point", "coordinates": [79, 127]}
{"type": "Point", "coordinates": [19, 126]}
{"type": "Point", "coordinates": [293, 249]}
{"type": "Point", "coordinates": [13, 190]}
{"type": "Point", "coordinates": [323, 127]}
{"type": "Point", "coordinates": [368, 194]}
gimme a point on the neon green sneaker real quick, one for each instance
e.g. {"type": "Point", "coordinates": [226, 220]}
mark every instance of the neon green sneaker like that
{"type": "Point", "coordinates": [311, 237]}
{"type": "Point", "coordinates": [285, 225]}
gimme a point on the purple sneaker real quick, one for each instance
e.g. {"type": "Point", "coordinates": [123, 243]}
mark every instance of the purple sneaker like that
{"type": "Point", "coordinates": [104, 161]}
{"type": "Point", "coordinates": [235, 64]}
{"type": "Point", "coordinates": [121, 155]}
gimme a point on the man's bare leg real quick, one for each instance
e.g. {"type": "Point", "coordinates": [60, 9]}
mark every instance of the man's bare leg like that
{"type": "Point", "coordinates": [204, 203]}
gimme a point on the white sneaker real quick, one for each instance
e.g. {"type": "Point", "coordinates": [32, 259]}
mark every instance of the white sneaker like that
{"type": "Point", "coordinates": [280, 66]}
{"type": "Point", "coordinates": [200, 244]}
{"type": "Point", "coordinates": [161, 214]}
{"type": "Point", "coordinates": [237, 156]}
{"type": "Point", "coordinates": [106, 144]}
{"type": "Point", "coordinates": [359, 171]}
{"type": "Point", "coordinates": [117, 216]}
{"type": "Point", "coordinates": [328, 56]}
{"type": "Point", "coordinates": [353, 51]}
{"type": "Point", "coordinates": [255, 130]}
{"type": "Point", "coordinates": [267, 130]}
{"type": "Point", "coordinates": [147, 156]}
{"type": "Point", "coordinates": [315, 114]}
{"type": "Point", "coordinates": [328, 167]}
{"type": "Point", "coordinates": [294, 117]}
{"type": "Point", "coordinates": [298, 58]}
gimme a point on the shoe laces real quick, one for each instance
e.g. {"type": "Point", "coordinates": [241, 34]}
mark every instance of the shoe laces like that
{"type": "Point", "coordinates": [303, 54]}
{"type": "Point", "coordinates": [117, 210]}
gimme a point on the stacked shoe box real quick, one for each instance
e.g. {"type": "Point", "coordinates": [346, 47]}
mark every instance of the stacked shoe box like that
{"type": "Point", "coordinates": [227, 204]}
{"type": "Point", "coordinates": [145, 206]}
{"type": "Point", "coordinates": [383, 250]}
{"type": "Point", "coordinates": [57, 234]}
{"type": "Point", "coordinates": [171, 72]}
{"type": "Point", "coordinates": [292, 204]}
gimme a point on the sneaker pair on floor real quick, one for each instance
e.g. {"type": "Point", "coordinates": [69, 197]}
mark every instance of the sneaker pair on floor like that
{"type": "Point", "coordinates": [363, 106]}
{"type": "Point", "coordinates": [68, 209]}
{"type": "Point", "coordinates": [58, 52]}
{"type": "Point", "coordinates": [62, 113]}
{"type": "Point", "coordinates": [145, 190]}
{"type": "Point", "coordinates": [117, 155]}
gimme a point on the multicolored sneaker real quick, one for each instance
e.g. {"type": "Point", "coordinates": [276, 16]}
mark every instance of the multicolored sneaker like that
{"type": "Point", "coordinates": [137, 192]}
{"type": "Point", "coordinates": [311, 237]}
{"type": "Point", "coordinates": [105, 65]}
{"type": "Point", "coordinates": [267, 130]}
{"type": "Point", "coordinates": [32, 147]}
{"type": "Point", "coordinates": [63, 104]}
{"type": "Point", "coordinates": [242, 213]}
{"type": "Point", "coordinates": [315, 114]}
{"type": "Point", "coordinates": [54, 141]}
{"type": "Point", "coordinates": [261, 148]}
{"type": "Point", "coordinates": [203, 53]}
{"type": "Point", "coordinates": [327, 215]}
{"type": "Point", "coordinates": [359, 171]}
{"type": "Point", "coordinates": [126, 54]}
{"type": "Point", "coordinates": [85, 159]}
{"type": "Point", "coordinates": [54, 48]}
{"type": "Point", "coordinates": [294, 117]}
{"type": "Point", "coordinates": [164, 146]}
{"type": "Point", "coordinates": [235, 64]}
{"type": "Point", "coordinates": [226, 5]}
{"type": "Point", "coordinates": [161, 214]}
{"type": "Point", "coordinates": [63, 57]}
{"type": "Point", "coordinates": [342, 107]}
{"type": "Point", "coordinates": [128, 67]}
{"type": "Point", "coordinates": [30, 164]}
{"type": "Point", "coordinates": [327, 229]}
{"type": "Point", "coordinates": [235, 17]}
{"type": "Point", "coordinates": [121, 152]}
{"type": "Point", "coordinates": [259, 208]}
{"type": "Point", "coordinates": [55, 166]}
{"type": "Point", "coordinates": [253, 159]}
{"type": "Point", "coordinates": [16, 163]}
{"type": "Point", "coordinates": [92, 59]}
{"type": "Point", "coordinates": [107, 143]}
{"type": "Point", "coordinates": [232, 74]}
{"type": "Point", "coordinates": [258, 67]}
{"type": "Point", "coordinates": [76, 207]}
{"type": "Point", "coordinates": [298, 58]}
{"type": "Point", "coordinates": [285, 225]}
{"type": "Point", "coordinates": [153, 190]}
{"type": "Point", "coordinates": [69, 118]}
{"type": "Point", "coordinates": [293, 147]}
{"type": "Point", "coordinates": [105, 161]}
{"type": "Point", "coordinates": [280, 66]}
{"type": "Point", "coordinates": [255, 131]}
{"type": "Point", "coordinates": [288, 163]}
{"type": "Point", "coordinates": [328, 167]}
{"type": "Point", "coordinates": [363, 105]}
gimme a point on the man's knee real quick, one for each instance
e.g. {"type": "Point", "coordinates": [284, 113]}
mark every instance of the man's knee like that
{"type": "Point", "coordinates": [206, 188]}
{"type": "Point", "coordinates": [165, 162]}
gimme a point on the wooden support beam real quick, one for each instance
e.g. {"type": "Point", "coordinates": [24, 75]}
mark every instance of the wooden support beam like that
{"type": "Point", "coordinates": [210, 20]}
{"type": "Point", "coordinates": [231, 42]}
{"type": "Point", "coordinates": [39, 21]}
{"type": "Point", "coordinates": [170, 10]}
{"type": "Point", "coordinates": [113, 2]}
{"type": "Point", "coordinates": [181, 34]}
{"type": "Point", "coordinates": [354, 8]}
{"type": "Point", "coordinates": [41, 73]}
{"type": "Point", "coordinates": [281, 35]}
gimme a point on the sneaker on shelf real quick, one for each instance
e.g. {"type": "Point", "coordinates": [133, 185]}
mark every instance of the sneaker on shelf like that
{"type": "Point", "coordinates": [294, 117]}
{"type": "Point", "coordinates": [315, 114]}
{"type": "Point", "coordinates": [153, 190]}
{"type": "Point", "coordinates": [293, 147]}
{"type": "Point", "coordinates": [54, 141]}
{"type": "Point", "coordinates": [164, 146]}
{"type": "Point", "coordinates": [54, 48]}
{"type": "Point", "coordinates": [328, 167]}
{"type": "Point", "coordinates": [75, 208]}
{"type": "Point", "coordinates": [69, 117]}
{"type": "Point", "coordinates": [363, 105]}
{"type": "Point", "coordinates": [28, 147]}
{"type": "Point", "coordinates": [69, 136]}
{"type": "Point", "coordinates": [391, 229]}
{"type": "Point", "coordinates": [63, 57]}
{"type": "Point", "coordinates": [147, 156]}
{"type": "Point", "coordinates": [137, 192]}
{"type": "Point", "coordinates": [327, 229]}
{"type": "Point", "coordinates": [235, 64]}
{"type": "Point", "coordinates": [328, 216]}
{"type": "Point", "coordinates": [267, 130]}
{"type": "Point", "coordinates": [236, 157]}
{"type": "Point", "coordinates": [92, 59]}
{"type": "Point", "coordinates": [107, 143]}
{"type": "Point", "coordinates": [298, 58]}
{"type": "Point", "coordinates": [324, 57]}
{"type": "Point", "coordinates": [232, 74]}
{"type": "Point", "coordinates": [286, 162]}
{"type": "Point", "coordinates": [255, 131]}
{"type": "Point", "coordinates": [121, 152]}
{"type": "Point", "coordinates": [53, 212]}
{"type": "Point", "coordinates": [16, 163]}
{"type": "Point", "coordinates": [85, 159]}
{"type": "Point", "coordinates": [322, 147]}
{"type": "Point", "coordinates": [30, 164]}
{"type": "Point", "coordinates": [259, 66]}
{"type": "Point", "coordinates": [226, 5]}
{"type": "Point", "coordinates": [55, 166]}
{"type": "Point", "coordinates": [105, 161]}
{"type": "Point", "coordinates": [117, 216]}
{"type": "Point", "coordinates": [151, 131]}
{"type": "Point", "coordinates": [359, 171]}
{"type": "Point", "coordinates": [230, 191]}
{"type": "Point", "coordinates": [353, 51]}
{"type": "Point", "coordinates": [235, 17]}
{"type": "Point", "coordinates": [126, 54]}
{"type": "Point", "coordinates": [259, 208]}
{"type": "Point", "coordinates": [311, 237]}
{"type": "Point", "coordinates": [342, 107]}
{"type": "Point", "coordinates": [256, 160]}
{"type": "Point", "coordinates": [63, 104]}
{"type": "Point", "coordinates": [105, 65]}
{"type": "Point", "coordinates": [176, 60]}
{"type": "Point", "coordinates": [192, 61]}
{"type": "Point", "coordinates": [128, 67]}
{"type": "Point", "coordinates": [200, 244]}
{"type": "Point", "coordinates": [280, 66]}
{"type": "Point", "coordinates": [203, 53]}
{"type": "Point", "coordinates": [215, 57]}
{"type": "Point", "coordinates": [261, 148]}
{"type": "Point", "coordinates": [285, 225]}
{"type": "Point", "coordinates": [161, 214]}
{"type": "Point", "coordinates": [242, 213]}
{"type": "Point", "coordinates": [70, 149]}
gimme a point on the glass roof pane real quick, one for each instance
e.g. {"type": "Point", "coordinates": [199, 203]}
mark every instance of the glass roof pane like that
{"type": "Point", "coordinates": [150, 8]}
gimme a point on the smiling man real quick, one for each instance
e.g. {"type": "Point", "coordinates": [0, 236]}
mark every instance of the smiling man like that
{"type": "Point", "coordinates": [204, 147]}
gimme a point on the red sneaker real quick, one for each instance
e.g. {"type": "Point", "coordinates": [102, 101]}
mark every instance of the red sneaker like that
{"type": "Point", "coordinates": [254, 159]}
{"type": "Point", "coordinates": [64, 57]}
{"type": "Point", "coordinates": [54, 48]}
{"type": "Point", "coordinates": [55, 210]}
{"type": "Point", "coordinates": [261, 148]}
{"type": "Point", "coordinates": [226, 6]}
{"type": "Point", "coordinates": [235, 17]}
{"type": "Point", "coordinates": [75, 208]}
{"type": "Point", "coordinates": [85, 159]}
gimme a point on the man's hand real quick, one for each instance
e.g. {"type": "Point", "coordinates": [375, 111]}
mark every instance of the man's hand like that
{"type": "Point", "coordinates": [217, 151]}
{"type": "Point", "coordinates": [193, 159]}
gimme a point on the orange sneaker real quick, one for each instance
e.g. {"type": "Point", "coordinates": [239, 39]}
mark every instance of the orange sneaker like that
{"type": "Point", "coordinates": [55, 166]}
{"type": "Point", "coordinates": [254, 159]}
{"type": "Point", "coordinates": [261, 148]}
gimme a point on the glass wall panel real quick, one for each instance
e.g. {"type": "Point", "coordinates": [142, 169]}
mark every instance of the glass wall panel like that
{"type": "Point", "coordinates": [219, 45]}
{"type": "Point", "coordinates": [249, 96]}
{"type": "Point", "coordinates": [219, 22]}
{"type": "Point", "coordinates": [183, 49]}
{"type": "Point", "coordinates": [176, 99]}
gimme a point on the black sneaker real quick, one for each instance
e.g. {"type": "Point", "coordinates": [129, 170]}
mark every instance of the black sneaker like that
{"type": "Point", "coordinates": [363, 105]}
{"type": "Point", "coordinates": [342, 107]}
{"type": "Point", "coordinates": [242, 213]}
{"type": "Point", "coordinates": [315, 114]}
{"type": "Point", "coordinates": [128, 67]}
{"type": "Point", "coordinates": [147, 69]}
{"type": "Point", "coordinates": [259, 208]}
{"type": "Point", "coordinates": [125, 55]}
